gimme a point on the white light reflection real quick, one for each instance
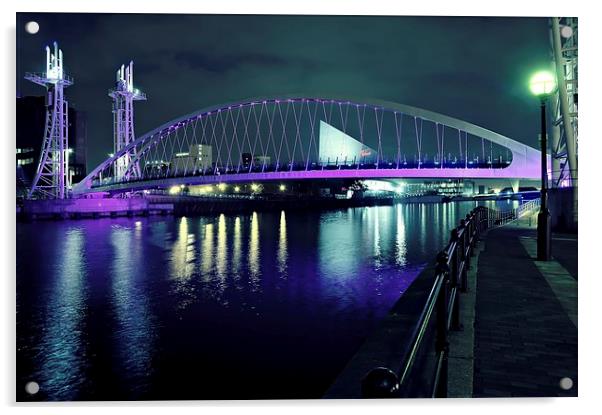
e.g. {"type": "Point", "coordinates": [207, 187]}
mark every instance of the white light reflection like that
{"type": "Point", "coordinates": [254, 253]}
{"type": "Point", "coordinates": [62, 345]}
{"type": "Point", "coordinates": [207, 253]}
{"type": "Point", "coordinates": [282, 246]}
{"type": "Point", "coordinates": [400, 243]}
{"type": "Point", "coordinates": [183, 253]}
{"type": "Point", "coordinates": [222, 252]}
{"type": "Point", "coordinates": [236, 249]}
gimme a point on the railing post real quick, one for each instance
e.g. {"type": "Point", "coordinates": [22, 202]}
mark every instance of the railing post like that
{"type": "Point", "coordinates": [472, 234]}
{"type": "Point", "coordinates": [463, 238]}
{"type": "Point", "coordinates": [486, 218]}
{"type": "Point", "coordinates": [470, 223]}
{"type": "Point", "coordinates": [454, 278]}
{"type": "Point", "coordinates": [464, 258]}
{"type": "Point", "coordinates": [442, 344]}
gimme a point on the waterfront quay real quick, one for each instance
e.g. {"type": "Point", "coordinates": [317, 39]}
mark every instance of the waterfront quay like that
{"type": "Point", "coordinates": [97, 208]}
{"type": "Point", "coordinates": [525, 326]}
{"type": "Point", "coordinates": [91, 208]}
{"type": "Point", "coordinates": [514, 332]}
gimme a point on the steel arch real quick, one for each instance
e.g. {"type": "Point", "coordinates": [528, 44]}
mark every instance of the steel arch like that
{"type": "Point", "coordinates": [525, 159]}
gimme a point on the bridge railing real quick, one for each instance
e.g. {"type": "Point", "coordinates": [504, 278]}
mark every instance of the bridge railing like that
{"type": "Point", "coordinates": [152, 173]}
{"type": "Point", "coordinates": [500, 218]}
{"type": "Point", "coordinates": [424, 367]}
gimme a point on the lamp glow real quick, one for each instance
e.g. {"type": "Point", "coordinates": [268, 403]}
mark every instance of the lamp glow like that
{"type": "Point", "coordinates": [282, 188]}
{"type": "Point", "coordinates": [542, 83]}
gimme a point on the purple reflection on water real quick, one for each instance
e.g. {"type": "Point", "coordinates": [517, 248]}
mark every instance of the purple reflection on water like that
{"type": "Point", "coordinates": [258, 305]}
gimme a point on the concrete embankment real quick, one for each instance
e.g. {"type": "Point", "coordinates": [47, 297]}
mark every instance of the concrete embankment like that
{"type": "Point", "coordinates": [90, 208]}
{"type": "Point", "coordinates": [184, 205]}
{"type": "Point", "coordinates": [178, 205]}
{"type": "Point", "coordinates": [187, 206]}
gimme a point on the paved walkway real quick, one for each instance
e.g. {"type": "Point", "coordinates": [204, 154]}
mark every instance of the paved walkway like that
{"type": "Point", "coordinates": [525, 330]}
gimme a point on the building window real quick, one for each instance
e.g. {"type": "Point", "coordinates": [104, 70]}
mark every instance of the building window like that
{"type": "Point", "coordinates": [23, 162]}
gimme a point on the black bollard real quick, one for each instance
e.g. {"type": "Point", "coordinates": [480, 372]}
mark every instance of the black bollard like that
{"type": "Point", "coordinates": [380, 383]}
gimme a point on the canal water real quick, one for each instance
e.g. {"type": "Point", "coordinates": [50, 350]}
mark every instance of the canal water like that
{"type": "Point", "coordinates": [257, 305]}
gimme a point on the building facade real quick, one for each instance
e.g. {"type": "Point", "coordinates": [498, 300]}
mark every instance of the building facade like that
{"type": "Point", "coordinates": [30, 123]}
{"type": "Point", "coordinates": [199, 158]}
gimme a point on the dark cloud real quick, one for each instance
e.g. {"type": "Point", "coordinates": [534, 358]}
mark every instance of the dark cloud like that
{"type": "Point", "coordinates": [470, 68]}
{"type": "Point", "coordinates": [223, 64]}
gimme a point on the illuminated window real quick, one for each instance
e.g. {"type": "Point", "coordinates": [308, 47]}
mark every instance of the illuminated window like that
{"type": "Point", "coordinates": [23, 162]}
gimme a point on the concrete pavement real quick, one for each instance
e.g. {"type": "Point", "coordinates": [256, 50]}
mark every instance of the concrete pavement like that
{"type": "Point", "coordinates": [525, 326]}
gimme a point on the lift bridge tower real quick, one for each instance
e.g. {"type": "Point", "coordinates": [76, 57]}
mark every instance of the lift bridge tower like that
{"type": "Point", "coordinates": [124, 94]}
{"type": "Point", "coordinates": [564, 42]}
{"type": "Point", "coordinates": [52, 177]}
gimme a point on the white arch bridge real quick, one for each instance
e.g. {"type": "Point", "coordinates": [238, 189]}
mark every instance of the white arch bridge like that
{"type": "Point", "coordinates": [294, 138]}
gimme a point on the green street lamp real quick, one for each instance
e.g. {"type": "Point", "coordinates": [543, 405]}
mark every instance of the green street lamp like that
{"type": "Point", "coordinates": [543, 84]}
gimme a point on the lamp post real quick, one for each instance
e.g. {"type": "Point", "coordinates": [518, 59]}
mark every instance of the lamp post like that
{"type": "Point", "coordinates": [543, 84]}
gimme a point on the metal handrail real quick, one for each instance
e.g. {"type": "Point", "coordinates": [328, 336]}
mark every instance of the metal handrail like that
{"type": "Point", "coordinates": [500, 218]}
{"type": "Point", "coordinates": [442, 304]}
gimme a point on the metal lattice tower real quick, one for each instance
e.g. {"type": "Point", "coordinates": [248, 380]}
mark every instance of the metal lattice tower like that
{"type": "Point", "coordinates": [52, 177]}
{"type": "Point", "coordinates": [564, 38]}
{"type": "Point", "coordinates": [124, 94]}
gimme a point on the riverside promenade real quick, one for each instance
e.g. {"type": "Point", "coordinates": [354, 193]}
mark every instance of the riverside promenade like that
{"type": "Point", "coordinates": [520, 332]}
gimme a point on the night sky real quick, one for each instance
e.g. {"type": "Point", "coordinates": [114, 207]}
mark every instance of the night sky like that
{"type": "Point", "coordinates": [475, 69]}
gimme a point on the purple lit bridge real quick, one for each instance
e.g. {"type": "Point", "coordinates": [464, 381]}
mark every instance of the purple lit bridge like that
{"type": "Point", "coordinates": [294, 138]}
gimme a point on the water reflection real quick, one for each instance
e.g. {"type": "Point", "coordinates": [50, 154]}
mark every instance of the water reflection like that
{"type": "Point", "coordinates": [254, 253]}
{"type": "Point", "coordinates": [400, 240]}
{"type": "Point", "coordinates": [300, 284]}
{"type": "Point", "coordinates": [236, 248]}
{"type": "Point", "coordinates": [422, 233]}
{"type": "Point", "coordinates": [340, 236]}
{"type": "Point", "coordinates": [181, 262]}
{"type": "Point", "coordinates": [207, 253]}
{"type": "Point", "coordinates": [133, 332]}
{"type": "Point", "coordinates": [62, 369]}
{"type": "Point", "coordinates": [183, 253]}
{"type": "Point", "coordinates": [222, 250]}
{"type": "Point", "coordinates": [376, 230]}
{"type": "Point", "coordinates": [282, 246]}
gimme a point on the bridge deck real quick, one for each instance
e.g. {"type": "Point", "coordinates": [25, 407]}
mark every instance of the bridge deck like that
{"type": "Point", "coordinates": [408, 173]}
